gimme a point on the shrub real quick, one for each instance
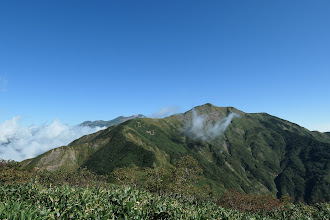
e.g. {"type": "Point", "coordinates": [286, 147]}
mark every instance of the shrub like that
{"type": "Point", "coordinates": [11, 172]}
{"type": "Point", "coordinates": [81, 178]}
{"type": "Point", "coordinates": [249, 203]}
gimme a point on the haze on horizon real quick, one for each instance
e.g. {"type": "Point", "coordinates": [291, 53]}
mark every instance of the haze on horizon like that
{"type": "Point", "coordinates": [72, 61]}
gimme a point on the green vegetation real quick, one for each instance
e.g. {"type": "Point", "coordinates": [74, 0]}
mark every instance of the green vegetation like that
{"type": "Point", "coordinates": [34, 201]}
{"type": "Point", "coordinates": [183, 180]}
{"type": "Point", "coordinates": [258, 154]}
{"type": "Point", "coordinates": [84, 195]}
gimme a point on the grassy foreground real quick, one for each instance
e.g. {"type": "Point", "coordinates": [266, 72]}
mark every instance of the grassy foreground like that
{"type": "Point", "coordinates": [36, 201]}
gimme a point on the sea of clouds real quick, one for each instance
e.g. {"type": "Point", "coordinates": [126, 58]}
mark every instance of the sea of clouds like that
{"type": "Point", "coordinates": [18, 142]}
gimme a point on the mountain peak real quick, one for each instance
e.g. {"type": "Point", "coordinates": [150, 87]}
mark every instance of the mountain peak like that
{"type": "Point", "coordinates": [209, 108]}
{"type": "Point", "coordinates": [255, 153]}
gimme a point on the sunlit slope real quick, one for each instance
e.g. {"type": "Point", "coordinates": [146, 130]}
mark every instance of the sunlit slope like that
{"type": "Point", "coordinates": [256, 153]}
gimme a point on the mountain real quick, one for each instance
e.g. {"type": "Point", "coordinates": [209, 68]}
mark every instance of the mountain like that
{"type": "Point", "coordinates": [250, 152]}
{"type": "Point", "coordinates": [118, 120]}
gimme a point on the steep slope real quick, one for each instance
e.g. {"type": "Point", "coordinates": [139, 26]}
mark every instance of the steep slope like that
{"type": "Point", "coordinates": [248, 152]}
{"type": "Point", "coordinates": [116, 121]}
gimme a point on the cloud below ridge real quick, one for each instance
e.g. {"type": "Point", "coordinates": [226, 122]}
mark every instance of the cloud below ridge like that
{"type": "Point", "coordinates": [19, 143]}
{"type": "Point", "coordinates": [200, 128]}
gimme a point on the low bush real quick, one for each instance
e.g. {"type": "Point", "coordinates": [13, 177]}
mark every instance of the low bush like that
{"type": "Point", "coordinates": [249, 203]}
{"type": "Point", "coordinates": [36, 201]}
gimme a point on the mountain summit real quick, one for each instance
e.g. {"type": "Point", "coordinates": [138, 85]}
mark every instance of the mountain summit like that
{"type": "Point", "coordinates": [250, 152]}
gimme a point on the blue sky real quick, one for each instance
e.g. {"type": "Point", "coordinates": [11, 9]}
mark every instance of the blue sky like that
{"type": "Point", "coordinates": [88, 60]}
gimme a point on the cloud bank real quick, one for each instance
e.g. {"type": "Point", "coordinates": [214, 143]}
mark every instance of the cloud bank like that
{"type": "Point", "coordinates": [18, 142]}
{"type": "Point", "coordinates": [165, 111]}
{"type": "Point", "coordinates": [200, 128]}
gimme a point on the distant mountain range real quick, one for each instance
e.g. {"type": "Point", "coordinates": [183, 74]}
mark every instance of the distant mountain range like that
{"type": "Point", "coordinates": [250, 152]}
{"type": "Point", "coordinates": [116, 121]}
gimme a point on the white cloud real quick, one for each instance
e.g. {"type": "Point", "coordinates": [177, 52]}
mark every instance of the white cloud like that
{"type": "Point", "coordinates": [165, 111]}
{"type": "Point", "coordinates": [201, 129]}
{"type": "Point", "coordinates": [18, 142]}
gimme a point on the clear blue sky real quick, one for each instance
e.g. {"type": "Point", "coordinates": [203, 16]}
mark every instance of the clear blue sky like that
{"type": "Point", "coordinates": [78, 60]}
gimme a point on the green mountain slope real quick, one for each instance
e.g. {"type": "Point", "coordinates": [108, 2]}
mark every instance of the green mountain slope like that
{"type": "Point", "coordinates": [256, 153]}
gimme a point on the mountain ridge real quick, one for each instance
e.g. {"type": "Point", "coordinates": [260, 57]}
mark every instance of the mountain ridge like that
{"type": "Point", "coordinates": [118, 120]}
{"type": "Point", "coordinates": [256, 152]}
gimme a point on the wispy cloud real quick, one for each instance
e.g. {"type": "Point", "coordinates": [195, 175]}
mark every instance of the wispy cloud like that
{"type": "Point", "coordinates": [165, 111]}
{"type": "Point", "coordinates": [18, 142]}
{"type": "Point", "coordinates": [3, 83]}
{"type": "Point", "coordinates": [200, 128]}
